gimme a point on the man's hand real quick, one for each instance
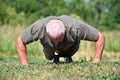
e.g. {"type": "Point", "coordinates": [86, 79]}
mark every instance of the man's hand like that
{"type": "Point", "coordinates": [96, 61]}
{"type": "Point", "coordinates": [25, 64]}
{"type": "Point", "coordinates": [21, 48]}
{"type": "Point", "coordinates": [99, 46]}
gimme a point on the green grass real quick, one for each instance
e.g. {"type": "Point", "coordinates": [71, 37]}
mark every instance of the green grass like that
{"type": "Point", "coordinates": [10, 69]}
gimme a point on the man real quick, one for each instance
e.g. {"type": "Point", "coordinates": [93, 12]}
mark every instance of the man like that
{"type": "Point", "coordinates": [60, 37]}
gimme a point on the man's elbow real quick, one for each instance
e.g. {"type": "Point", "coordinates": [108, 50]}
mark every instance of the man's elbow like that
{"type": "Point", "coordinates": [102, 38]}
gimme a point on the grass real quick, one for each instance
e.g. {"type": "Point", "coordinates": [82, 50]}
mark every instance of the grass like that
{"type": "Point", "coordinates": [80, 69]}
{"type": "Point", "coordinates": [10, 69]}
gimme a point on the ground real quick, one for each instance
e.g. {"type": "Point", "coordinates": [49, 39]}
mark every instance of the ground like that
{"type": "Point", "coordinates": [40, 69]}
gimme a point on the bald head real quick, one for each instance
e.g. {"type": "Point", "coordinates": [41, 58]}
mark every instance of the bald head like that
{"type": "Point", "coordinates": [55, 30]}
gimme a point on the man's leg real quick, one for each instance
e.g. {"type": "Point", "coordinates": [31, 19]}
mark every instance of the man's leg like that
{"type": "Point", "coordinates": [55, 59]}
{"type": "Point", "coordinates": [51, 56]}
{"type": "Point", "coordinates": [69, 53]}
{"type": "Point", "coordinates": [68, 59]}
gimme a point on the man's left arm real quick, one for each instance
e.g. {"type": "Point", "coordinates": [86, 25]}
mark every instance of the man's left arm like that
{"type": "Point", "coordinates": [89, 33]}
{"type": "Point", "coordinates": [99, 46]}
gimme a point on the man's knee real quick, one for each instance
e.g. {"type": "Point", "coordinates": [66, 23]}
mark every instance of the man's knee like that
{"type": "Point", "coordinates": [48, 55]}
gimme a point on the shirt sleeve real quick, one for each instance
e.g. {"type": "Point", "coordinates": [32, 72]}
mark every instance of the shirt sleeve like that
{"type": "Point", "coordinates": [87, 32]}
{"type": "Point", "coordinates": [80, 29]}
{"type": "Point", "coordinates": [33, 32]}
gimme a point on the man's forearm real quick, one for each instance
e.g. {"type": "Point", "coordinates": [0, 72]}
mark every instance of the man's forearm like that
{"type": "Point", "coordinates": [99, 46]}
{"type": "Point", "coordinates": [21, 48]}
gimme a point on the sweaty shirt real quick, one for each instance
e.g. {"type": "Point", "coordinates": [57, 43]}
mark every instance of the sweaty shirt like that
{"type": "Point", "coordinates": [76, 30]}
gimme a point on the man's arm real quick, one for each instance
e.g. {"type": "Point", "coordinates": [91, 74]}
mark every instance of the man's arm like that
{"type": "Point", "coordinates": [21, 48]}
{"type": "Point", "coordinates": [99, 46]}
{"type": "Point", "coordinates": [89, 33]}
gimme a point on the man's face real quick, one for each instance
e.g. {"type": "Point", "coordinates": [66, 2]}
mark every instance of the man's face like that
{"type": "Point", "coordinates": [57, 40]}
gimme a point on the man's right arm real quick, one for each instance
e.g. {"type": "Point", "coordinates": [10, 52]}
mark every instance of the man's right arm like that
{"type": "Point", "coordinates": [21, 48]}
{"type": "Point", "coordinates": [30, 34]}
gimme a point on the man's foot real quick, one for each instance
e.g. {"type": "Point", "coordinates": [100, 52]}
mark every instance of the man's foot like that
{"type": "Point", "coordinates": [55, 60]}
{"type": "Point", "coordinates": [68, 59]}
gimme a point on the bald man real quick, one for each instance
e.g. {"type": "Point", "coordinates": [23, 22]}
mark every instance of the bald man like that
{"type": "Point", "coordinates": [60, 36]}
